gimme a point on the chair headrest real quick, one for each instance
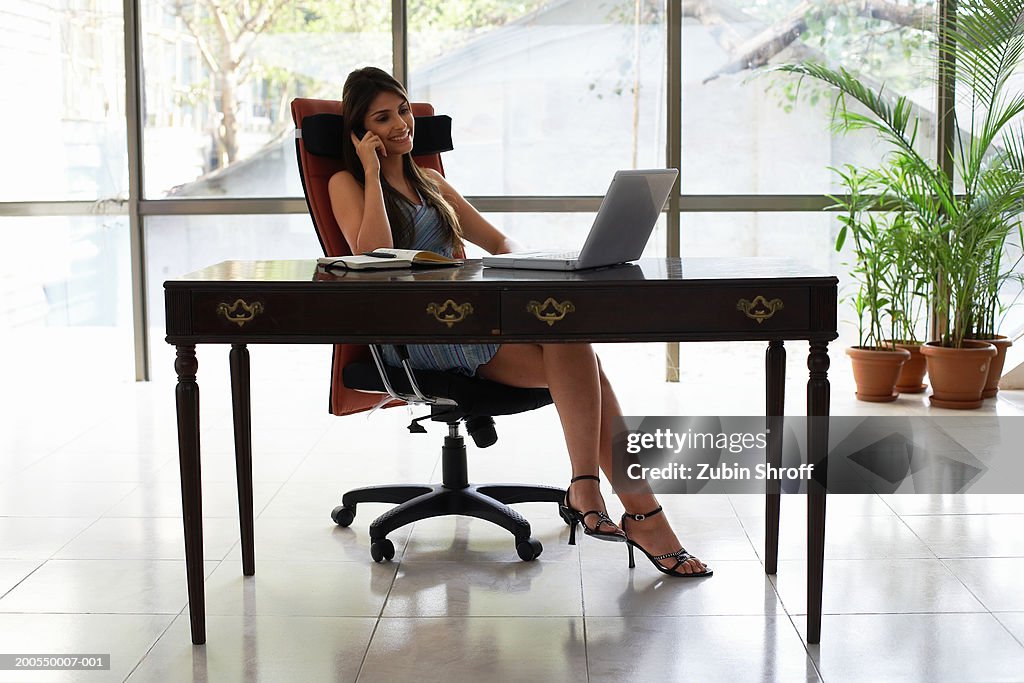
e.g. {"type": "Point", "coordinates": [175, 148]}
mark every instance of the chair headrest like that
{"type": "Point", "coordinates": [321, 135]}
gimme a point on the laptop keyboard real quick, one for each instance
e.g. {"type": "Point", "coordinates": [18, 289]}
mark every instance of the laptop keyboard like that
{"type": "Point", "coordinates": [556, 255]}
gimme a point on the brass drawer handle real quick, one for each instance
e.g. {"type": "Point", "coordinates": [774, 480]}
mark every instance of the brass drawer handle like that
{"type": "Point", "coordinates": [239, 312]}
{"type": "Point", "coordinates": [560, 310]}
{"type": "Point", "coordinates": [450, 312]}
{"type": "Point", "coordinates": [760, 309]}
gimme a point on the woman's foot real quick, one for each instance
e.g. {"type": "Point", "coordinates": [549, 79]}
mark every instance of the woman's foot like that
{"type": "Point", "coordinates": [654, 534]}
{"type": "Point", "coordinates": [584, 496]}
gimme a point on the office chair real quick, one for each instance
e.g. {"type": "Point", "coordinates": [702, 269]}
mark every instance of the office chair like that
{"type": "Point", "coordinates": [359, 377]}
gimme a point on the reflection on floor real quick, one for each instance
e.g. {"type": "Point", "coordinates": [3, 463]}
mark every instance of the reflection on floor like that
{"type": "Point", "coordinates": [917, 588]}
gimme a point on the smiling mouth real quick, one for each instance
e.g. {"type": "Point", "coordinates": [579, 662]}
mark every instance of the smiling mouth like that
{"type": "Point", "coordinates": [403, 138]}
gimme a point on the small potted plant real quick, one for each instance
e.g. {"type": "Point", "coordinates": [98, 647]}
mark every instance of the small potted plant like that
{"type": "Point", "coordinates": [876, 361]}
{"type": "Point", "coordinates": [910, 281]}
{"type": "Point", "coordinates": [997, 269]}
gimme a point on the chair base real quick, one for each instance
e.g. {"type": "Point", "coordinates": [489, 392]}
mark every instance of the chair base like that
{"type": "Point", "coordinates": [422, 501]}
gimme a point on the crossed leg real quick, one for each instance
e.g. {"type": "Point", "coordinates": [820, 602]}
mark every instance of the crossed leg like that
{"type": "Point", "coordinates": [584, 400]}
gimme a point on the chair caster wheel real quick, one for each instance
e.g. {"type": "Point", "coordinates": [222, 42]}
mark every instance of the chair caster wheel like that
{"type": "Point", "coordinates": [343, 515]}
{"type": "Point", "coordinates": [382, 550]}
{"type": "Point", "coordinates": [530, 549]}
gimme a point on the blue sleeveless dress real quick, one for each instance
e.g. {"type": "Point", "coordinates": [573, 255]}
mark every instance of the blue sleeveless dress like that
{"type": "Point", "coordinates": [462, 358]}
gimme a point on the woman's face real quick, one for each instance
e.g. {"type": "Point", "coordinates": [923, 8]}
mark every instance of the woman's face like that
{"type": "Point", "coordinates": [390, 118]}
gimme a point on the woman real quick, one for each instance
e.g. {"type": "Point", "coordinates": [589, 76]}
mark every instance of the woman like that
{"type": "Point", "coordinates": [384, 200]}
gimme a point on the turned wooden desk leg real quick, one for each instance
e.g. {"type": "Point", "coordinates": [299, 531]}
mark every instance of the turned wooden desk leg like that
{"type": "Point", "coordinates": [186, 396]}
{"type": "Point", "coordinates": [775, 371]}
{"type": "Point", "coordinates": [817, 450]}
{"type": "Point", "coordinates": [242, 409]}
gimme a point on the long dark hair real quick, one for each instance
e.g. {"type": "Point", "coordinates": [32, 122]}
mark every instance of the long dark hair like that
{"type": "Point", "coordinates": [361, 87]}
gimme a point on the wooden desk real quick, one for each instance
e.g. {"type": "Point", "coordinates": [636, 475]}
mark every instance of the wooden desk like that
{"type": "Point", "coordinates": [261, 302]}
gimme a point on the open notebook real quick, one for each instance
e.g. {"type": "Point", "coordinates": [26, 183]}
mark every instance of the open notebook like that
{"type": "Point", "coordinates": [386, 258]}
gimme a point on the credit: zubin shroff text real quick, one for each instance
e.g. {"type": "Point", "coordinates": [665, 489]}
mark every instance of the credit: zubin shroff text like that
{"type": "Point", "coordinates": [666, 439]}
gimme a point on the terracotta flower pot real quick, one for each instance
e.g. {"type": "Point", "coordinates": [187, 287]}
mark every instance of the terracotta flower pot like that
{"type": "Point", "coordinates": [909, 381]}
{"type": "Point", "coordinates": [875, 372]}
{"type": "Point", "coordinates": [995, 370]}
{"type": "Point", "coordinates": [958, 375]}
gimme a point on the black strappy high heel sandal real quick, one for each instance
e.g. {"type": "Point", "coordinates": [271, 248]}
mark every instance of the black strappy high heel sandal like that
{"type": "Point", "coordinates": [681, 556]}
{"type": "Point", "coordinates": [572, 517]}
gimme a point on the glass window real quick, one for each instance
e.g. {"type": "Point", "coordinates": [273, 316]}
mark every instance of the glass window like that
{"type": "Point", "coordinates": [546, 98]}
{"type": "Point", "coordinates": [65, 298]}
{"type": "Point", "coordinates": [64, 140]}
{"type": "Point", "coordinates": [219, 79]}
{"type": "Point", "coordinates": [747, 132]}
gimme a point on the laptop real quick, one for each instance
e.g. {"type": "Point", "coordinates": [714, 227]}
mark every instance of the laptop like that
{"type": "Point", "coordinates": [620, 231]}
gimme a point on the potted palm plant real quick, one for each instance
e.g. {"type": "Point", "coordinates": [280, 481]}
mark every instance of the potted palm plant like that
{"type": "Point", "coordinates": [876, 361]}
{"type": "Point", "coordinates": [988, 306]}
{"type": "Point", "coordinates": [909, 283]}
{"type": "Point", "coordinates": [960, 233]}
{"type": "Point", "coordinates": [910, 286]}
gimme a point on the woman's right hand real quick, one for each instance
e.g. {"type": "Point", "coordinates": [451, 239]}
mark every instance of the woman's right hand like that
{"type": "Point", "coordinates": [367, 148]}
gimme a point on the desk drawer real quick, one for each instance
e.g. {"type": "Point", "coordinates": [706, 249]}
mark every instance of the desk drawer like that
{"type": "Point", "coordinates": [434, 314]}
{"type": "Point", "coordinates": [659, 310]}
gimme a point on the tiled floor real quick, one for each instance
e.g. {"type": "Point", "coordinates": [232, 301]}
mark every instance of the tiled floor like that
{"type": "Point", "coordinates": [917, 588]}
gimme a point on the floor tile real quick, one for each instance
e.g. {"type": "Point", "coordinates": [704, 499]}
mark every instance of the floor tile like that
{"type": "Point", "coordinates": [220, 467]}
{"type": "Point", "coordinates": [845, 505]}
{"type": "Point", "coordinates": [28, 428]}
{"type": "Point", "coordinates": [98, 467]}
{"type": "Point", "coordinates": [738, 587]}
{"type": "Point", "coordinates": [1014, 622]}
{"type": "Point", "coordinates": [916, 647]}
{"type": "Point", "coordinates": [486, 589]}
{"type": "Point", "coordinates": [641, 648]}
{"type": "Point", "coordinates": [12, 572]}
{"type": "Point", "coordinates": [847, 538]}
{"type": "Point", "coordinates": [103, 586]}
{"type": "Point", "coordinates": [294, 442]}
{"type": "Point", "coordinates": [376, 465]}
{"type": "Point", "coordinates": [38, 537]}
{"type": "Point", "coordinates": [305, 539]}
{"type": "Point", "coordinates": [877, 586]}
{"type": "Point", "coordinates": [316, 500]}
{"type": "Point", "coordinates": [970, 535]}
{"type": "Point", "coordinates": [706, 505]}
{"type": "Point", "coordinates": [300, 589]}
{"type": "Point", "coordinates": [155, 538]}
{"type": "Point", "coordinates": [995, 581]}
{"type": "Point", "coordinates": [124, 637]}
{"type": "Point", "coordinates": [24, 497]}
{"type": "Point", "coordinates": [954, 504]}
{"type": "Point", "coordinates": [477, 648]}
{"type": "Point", "coordinates": [259, 648]}
{"type": "Point", "coordinates": [121, 435]}
{"type": "Point", "coordinates": [163, 499]}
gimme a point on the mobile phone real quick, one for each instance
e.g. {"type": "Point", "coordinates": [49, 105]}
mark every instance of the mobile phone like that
{"type": "Point", "coordinates": [359, 131]}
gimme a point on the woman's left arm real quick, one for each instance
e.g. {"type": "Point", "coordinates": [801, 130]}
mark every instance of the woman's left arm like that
{"type": "Point", "coordinates": [475, 228]}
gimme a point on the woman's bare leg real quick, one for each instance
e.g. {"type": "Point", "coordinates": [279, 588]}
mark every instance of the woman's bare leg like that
{"type": "Point", "coordinates": [654, 533]}
{"type": "Point", "coordinates": [572, 375]}
{"type": "Point", "coordinates": [579, 384]}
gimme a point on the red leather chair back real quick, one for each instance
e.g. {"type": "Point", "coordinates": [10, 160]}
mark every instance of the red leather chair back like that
{"type": "Point", "coordinates": [315, 172]}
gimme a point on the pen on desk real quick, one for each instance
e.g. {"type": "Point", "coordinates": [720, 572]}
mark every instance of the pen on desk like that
{"type": "Point", "coordinates": [379, 254]}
